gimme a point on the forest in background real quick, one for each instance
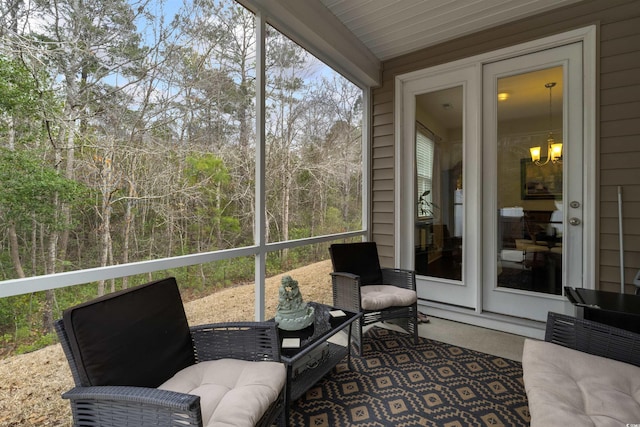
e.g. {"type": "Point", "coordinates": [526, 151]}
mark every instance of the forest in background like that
{"type": "Point", "coordinates": [127, 133]}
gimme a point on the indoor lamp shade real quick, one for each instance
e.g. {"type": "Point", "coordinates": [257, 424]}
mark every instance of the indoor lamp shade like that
{"type": "Point", "coordinates": [556, 151]}
{"type": "Point", "coordinates": [535, 154]}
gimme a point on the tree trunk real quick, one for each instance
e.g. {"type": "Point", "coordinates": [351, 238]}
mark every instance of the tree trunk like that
{"type": "Point", "coordinates": [218, 219]}
{"type": "Point", "coordinates": [126, 234]}
{"type": "Point", "coordinates": [47, 315]}
{"type": "Point", "coordinates": [51, 258]}
{"type": "Point", "coordinates": [105, 237]}
{"type": "Point", "coordinates": [286, 196]}
{"type": "Point", "coordinates": [34, 248]}
{"type": "Point", "coordinates": [15, 251]}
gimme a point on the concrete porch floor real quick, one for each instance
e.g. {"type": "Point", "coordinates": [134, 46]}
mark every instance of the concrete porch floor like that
{"type": "Point", "coordinates": [476, 338]}
{"type": "Point", "coordinates": [468, 336]}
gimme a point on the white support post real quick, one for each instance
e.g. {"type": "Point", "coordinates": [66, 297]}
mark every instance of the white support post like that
{"type": "Point", "coordinates": [260, 220]}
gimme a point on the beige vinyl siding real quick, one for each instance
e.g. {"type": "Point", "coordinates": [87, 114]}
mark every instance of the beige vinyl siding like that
{"type": "Point", "coordinates": [619, 146]}
{"type": "Point", "coordinates": [618, 143]}
{"type": "Point", "coordinates": [382, 185]}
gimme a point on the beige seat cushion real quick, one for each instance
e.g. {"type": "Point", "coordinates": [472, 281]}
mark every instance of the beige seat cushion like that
{"type": "Point", "coordinates": [379, 297]}
{"type": "Point", "coordinates": [566, 387]}
{"type": "Point", "coordinates": [232, 392]}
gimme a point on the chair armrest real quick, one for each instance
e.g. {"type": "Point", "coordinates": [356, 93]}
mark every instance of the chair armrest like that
{"type": "Point", "coordinates": [133, 406]}
{"type": "Point", "coordinates": [593, 338]}
{"type": "Point", "coordinates": [254, 341]}
{"type": "Point", "coordinates": [399, 277]}
{"type": "Point", "coordinates": [346, 291]}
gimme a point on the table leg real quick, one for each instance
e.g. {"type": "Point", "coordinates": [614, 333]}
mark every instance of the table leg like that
{"type": "Point", "coordinates": [349, 346]}
{"type": "Point", "coordinates": [287, 397]}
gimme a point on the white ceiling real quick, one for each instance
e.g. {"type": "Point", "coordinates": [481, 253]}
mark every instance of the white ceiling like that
{"type": "Point", "coordinates": [390, 28]}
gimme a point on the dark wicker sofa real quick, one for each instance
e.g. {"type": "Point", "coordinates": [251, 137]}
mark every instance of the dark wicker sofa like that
{"type": "Point", "coordinates": [584, 373]}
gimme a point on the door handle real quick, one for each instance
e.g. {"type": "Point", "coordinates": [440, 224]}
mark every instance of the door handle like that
{"type": "Point", "coordinates": [574, 221]}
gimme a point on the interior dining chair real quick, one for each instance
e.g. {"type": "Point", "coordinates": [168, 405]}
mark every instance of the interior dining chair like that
{"type": "Point", "coordinates": [136, 362]}
{"type": "Point", "coordinates": [381, 294]}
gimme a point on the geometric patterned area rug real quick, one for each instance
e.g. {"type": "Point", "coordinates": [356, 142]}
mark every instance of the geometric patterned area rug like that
{"type": "Point", "coordinates": [397, 383]}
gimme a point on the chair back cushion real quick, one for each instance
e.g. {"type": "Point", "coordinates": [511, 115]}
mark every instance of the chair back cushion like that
{"type": "Point", "coordinates": [136, 337]}
{"type": "Point", "coordinates": [359, 258]}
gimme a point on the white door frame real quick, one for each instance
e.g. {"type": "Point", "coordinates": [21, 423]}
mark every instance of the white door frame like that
{"type": "Point", "coordinates": [405, 90]}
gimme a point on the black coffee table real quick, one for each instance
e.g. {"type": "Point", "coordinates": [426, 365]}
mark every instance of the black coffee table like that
{"type": "Point", "coordinates": [311, 338]}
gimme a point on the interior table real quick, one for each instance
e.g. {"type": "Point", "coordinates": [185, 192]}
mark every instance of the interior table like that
{"type": "Point", "coordinates": [610, 308]}
{"type": "Point", "coordinates": [297, 346]}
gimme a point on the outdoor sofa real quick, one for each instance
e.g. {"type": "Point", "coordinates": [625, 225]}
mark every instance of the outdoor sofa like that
{"type": "Point", "coordinates": [584, 374]}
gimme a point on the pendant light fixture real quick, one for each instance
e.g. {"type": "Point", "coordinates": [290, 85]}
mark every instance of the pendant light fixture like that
{"type": "Point", "coordinates": [554, 149]}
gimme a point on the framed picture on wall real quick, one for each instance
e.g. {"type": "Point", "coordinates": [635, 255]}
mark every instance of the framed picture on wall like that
{"type": "Point", "coordinates": [540, 182]}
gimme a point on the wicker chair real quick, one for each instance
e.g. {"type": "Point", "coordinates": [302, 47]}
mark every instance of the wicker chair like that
{"type": "Point", "coordinates": [381, 294]}
{"type": "Point", "coordinates": [136, 362]}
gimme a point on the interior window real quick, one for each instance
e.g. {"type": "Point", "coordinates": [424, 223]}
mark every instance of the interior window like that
{"type": "Point", "coordinates": [424, 170]}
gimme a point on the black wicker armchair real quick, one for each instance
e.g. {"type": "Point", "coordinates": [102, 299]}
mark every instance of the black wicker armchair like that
{"type": "Point", "coordinates": [136, 362]}
{"type": "Point", "coordinates": [381, 294]}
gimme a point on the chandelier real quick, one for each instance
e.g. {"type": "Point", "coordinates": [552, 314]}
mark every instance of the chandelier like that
{"type": "Point", "coordinates": [554, 149]}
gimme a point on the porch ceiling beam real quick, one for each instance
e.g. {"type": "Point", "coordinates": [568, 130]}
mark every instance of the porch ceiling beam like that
{"type": "Point", "coordinates": [312, 25]}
